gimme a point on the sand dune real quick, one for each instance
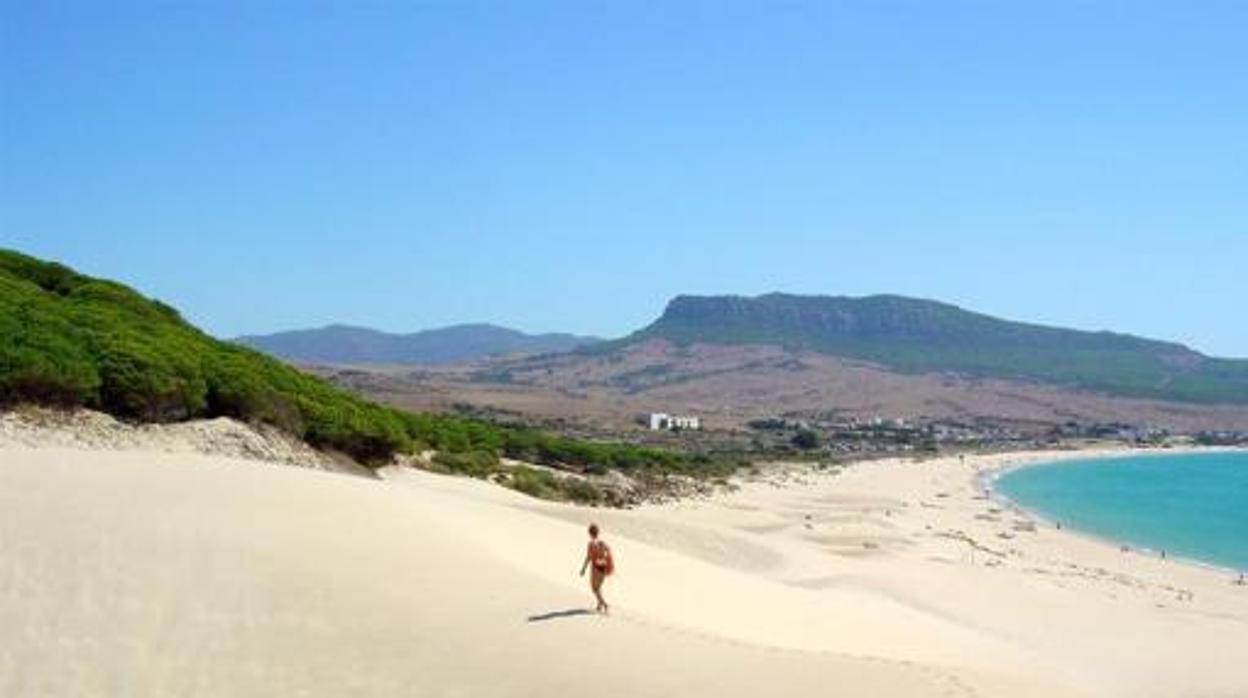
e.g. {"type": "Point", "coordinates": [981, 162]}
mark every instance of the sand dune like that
{"type": "Point", "coordinates": [145, 574]}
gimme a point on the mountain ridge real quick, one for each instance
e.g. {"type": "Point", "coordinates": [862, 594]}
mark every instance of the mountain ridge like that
{"type": "Point", "coordinates": [340, 343]}
{"type": "Point", "coordinates": [912, 335]}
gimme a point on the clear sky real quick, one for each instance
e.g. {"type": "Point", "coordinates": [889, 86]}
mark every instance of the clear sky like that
{"type": "Point", "coordinates": [571, 166]}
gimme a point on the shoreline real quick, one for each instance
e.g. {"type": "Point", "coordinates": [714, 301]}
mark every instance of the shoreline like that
{"type": "Point", "coordinates": [925, 533]}
{"type": "Point", "coordinates": [987, 479]}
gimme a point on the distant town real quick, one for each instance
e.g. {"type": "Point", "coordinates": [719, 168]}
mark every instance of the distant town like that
{"type": "Point", "coordinates": [884, 434]}
{"type": "Point", "coordinates": [837, 437]}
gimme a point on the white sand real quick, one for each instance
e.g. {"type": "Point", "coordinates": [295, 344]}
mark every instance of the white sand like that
{"type": "Point", "coordinates": [923, 534]}
{"type": "Point", "coordinates": [156, 574]}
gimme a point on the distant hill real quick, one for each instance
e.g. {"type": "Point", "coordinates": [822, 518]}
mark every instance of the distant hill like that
{"type": "Point", "coordinates": [918, 336]}
{"type": "Point", "coordinates": [344, 344]}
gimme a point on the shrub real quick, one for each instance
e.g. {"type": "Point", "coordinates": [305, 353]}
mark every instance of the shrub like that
{"type": "Point", "coordinates": [534, 482]}
{"type": "Point", "coordinates": [807, 439]}
{"type": "Point", "coordinates": [581, 491]}
{"type": "Point", "coordinates": [473, 464]}
{"type": "Point", "coordinates": [544, 484]}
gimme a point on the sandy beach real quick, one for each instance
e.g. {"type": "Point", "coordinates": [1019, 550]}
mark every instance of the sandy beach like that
{"type": "Point", "coordinates": [141, 573]}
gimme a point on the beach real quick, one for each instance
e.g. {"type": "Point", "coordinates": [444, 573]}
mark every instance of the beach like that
{"type": "Point", "coordinates": [144, 573]}
{"type": "Point", "coordinates": [930, 535]}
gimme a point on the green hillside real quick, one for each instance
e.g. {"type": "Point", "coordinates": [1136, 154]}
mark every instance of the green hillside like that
{"type": "Point", "coordinates": [71, 340]}
{"type": "Point", "coordinates": [915, 336]}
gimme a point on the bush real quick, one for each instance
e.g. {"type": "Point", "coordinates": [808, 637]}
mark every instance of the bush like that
{"type": "Point", "coordinates": [534, 482]}
{"type": "Point", "coordinates": [473, 464]}
{"type": "Point", "coordinates": [807, 440]}
{"type": "Point", "coordinates": [546, 485]}
{"type": "Point", "coordinates": [581, 491]}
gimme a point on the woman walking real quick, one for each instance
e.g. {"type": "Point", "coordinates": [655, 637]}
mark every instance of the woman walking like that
{"type": "Point", "coordinates": [598, 558]}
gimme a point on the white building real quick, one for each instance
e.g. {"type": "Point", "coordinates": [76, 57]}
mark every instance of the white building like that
{"type": "Point", "coordinates": [660, 421]}
{"type": "Point", "coordinates": [685, 422]}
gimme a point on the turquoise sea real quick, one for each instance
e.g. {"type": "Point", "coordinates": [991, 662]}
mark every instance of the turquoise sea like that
{"type": "Point", "coordinates": [1192, 505]}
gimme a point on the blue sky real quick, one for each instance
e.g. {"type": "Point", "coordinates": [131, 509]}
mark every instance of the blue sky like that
{"type": "Point", "coordinates": [571, 166]}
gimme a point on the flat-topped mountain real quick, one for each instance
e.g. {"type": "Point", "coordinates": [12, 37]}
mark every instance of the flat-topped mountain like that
{"type": "Point", "coordinates": [345, 344]}
{"type": "Point", "coordinates": [911, 335]}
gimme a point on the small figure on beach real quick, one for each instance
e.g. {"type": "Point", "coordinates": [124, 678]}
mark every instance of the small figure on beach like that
{"type": "Point", "coordinates": [598, 559]}
{"type": "Point", "coordinates": [1240, 581]}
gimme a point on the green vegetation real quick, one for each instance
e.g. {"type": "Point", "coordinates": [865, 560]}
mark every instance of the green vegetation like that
{"type": "Point", "coordinates": [544, 484]}
{"type": "Point", "coordinates": [597, 458]}
{"type": "Point", "coordinates": [919, 336]}
{"type": "Point", "coordinates": [472, 463]}
{"type": "Point", "coordinates": [807, 439]}
{"type": "Point", "coordinates": [74, 341]}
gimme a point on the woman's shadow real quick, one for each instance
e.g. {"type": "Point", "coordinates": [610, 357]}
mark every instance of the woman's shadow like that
{"type": "Point", "coordinates": [566, 613]}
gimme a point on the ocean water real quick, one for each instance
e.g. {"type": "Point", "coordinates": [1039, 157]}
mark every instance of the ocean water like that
{"type": "Point", "coordinates": [1192, 505]}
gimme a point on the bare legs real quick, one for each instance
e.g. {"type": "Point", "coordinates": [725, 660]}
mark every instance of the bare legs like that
{"type": "Point", "coordinates": [595, 582]}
